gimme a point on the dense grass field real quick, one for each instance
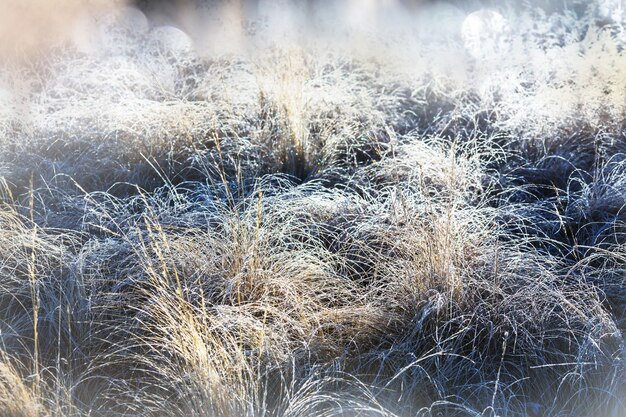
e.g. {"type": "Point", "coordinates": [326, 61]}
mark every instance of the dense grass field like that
{"type": "Point", "coordinates": [359, 208]}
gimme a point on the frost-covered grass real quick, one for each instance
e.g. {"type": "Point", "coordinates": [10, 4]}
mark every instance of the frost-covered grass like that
{"type": "Point", "coordinates": [376, 216]}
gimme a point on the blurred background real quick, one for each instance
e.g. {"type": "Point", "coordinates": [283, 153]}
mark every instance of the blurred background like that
{"type": "Point", "coordinates": [29, 25]}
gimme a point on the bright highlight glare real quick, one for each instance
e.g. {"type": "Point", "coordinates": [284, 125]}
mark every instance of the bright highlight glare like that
{"type": "Point", "coordinates": [484, 33]}
{"type": "Point", "coordinates": [612, 10]}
